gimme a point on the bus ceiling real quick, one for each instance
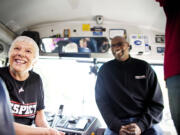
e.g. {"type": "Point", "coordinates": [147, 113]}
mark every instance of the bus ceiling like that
{"type": "Point", "coordinates": [84, 28]}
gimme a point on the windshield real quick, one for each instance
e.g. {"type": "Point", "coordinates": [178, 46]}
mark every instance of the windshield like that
{"type": "Point", "coordinates": [72, 82]}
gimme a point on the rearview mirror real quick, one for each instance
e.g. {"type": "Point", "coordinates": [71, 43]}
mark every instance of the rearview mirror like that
{"type": "Point", "coordinates": [75, 45]}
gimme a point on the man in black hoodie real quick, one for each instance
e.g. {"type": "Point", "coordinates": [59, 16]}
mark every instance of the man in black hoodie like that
{"type": "Point", "coordinates": [128, 94]}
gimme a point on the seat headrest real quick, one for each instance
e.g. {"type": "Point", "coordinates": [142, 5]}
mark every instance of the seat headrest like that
{"type": "Point", "coordinates": [6, 119]}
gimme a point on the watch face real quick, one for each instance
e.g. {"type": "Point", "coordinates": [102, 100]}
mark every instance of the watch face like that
{"type": "Point", "coordinates": [1, 48]}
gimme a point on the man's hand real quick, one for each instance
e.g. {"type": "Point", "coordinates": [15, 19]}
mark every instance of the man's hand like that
{"type": "Point", "coordinates": [130, 129]}
{"type": "Point", "coordinates": [55, 132]}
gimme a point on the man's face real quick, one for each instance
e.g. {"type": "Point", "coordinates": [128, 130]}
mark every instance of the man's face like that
{"type": "Point", "coordinates": [120, 49]}
{"type": "Point", "coordinates": [22, 56]}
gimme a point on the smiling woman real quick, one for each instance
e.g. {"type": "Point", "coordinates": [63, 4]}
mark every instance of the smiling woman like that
{"type": "Point", "coordinates": [22, 56]}
{"type": "Point", "coordinates": [25, 87]}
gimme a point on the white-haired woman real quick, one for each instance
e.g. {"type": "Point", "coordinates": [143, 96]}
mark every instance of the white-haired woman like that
{"type": "Point", "coordinates": [25, 88]}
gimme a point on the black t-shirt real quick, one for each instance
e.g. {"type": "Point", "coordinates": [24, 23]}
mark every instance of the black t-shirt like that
{"type": "Point", "coordinates": [27, 101]}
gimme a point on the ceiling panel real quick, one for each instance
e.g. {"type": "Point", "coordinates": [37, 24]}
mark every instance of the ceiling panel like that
{"type": "Point", "coordinates": [18, 14]}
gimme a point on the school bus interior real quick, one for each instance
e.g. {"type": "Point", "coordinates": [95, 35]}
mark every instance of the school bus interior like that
{"type": "Point", "coordinates": [74, 41]}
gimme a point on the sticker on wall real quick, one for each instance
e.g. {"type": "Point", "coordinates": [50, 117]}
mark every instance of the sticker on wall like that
{"type": "Point", "coordinates": [140, 44]}
{"type": "Point", "coordinates": [98, 28]}
{"type": "Point", "coordinates": [97, 33]}
{"type": "Point", "coordinates": [66, 32]}
{"type": "Point", "coordinates": [86, 27]}
{"type": "Point", "coordinates": [160, 50]}
{"type": "Point", "coordinates": [117, 32]}
{"type": "Point", "coordinates": [160, 38]}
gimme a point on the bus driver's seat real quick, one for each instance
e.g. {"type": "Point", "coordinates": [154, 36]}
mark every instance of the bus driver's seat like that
{"type": "Point", "coordinates": [6, 119]}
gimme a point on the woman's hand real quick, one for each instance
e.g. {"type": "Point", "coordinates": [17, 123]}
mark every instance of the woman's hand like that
{"type": "Point", "coordinates": [53, 131]}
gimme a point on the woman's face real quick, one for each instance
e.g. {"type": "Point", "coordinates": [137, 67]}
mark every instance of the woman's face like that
{"type": "Point", "coordinates": [22, 56]}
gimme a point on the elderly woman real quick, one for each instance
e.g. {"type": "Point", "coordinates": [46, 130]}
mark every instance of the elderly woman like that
{"type": "Point", "coordinates": [25, 88]}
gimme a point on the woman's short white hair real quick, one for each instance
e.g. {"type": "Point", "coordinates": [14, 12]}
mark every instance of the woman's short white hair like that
{"type": "Point", "coordinates": [25, 39]}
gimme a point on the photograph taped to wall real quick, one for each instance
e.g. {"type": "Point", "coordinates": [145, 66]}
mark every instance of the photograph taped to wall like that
{"type": "Point", "coordinates": [160, 38]}
{"type": "Point", "coordinates": [117, 32]}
